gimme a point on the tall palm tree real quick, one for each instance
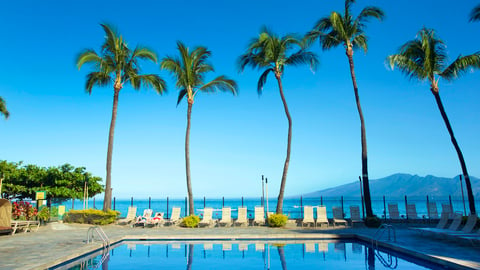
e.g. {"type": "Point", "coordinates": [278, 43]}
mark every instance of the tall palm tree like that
{"type": "Point", "coordinates": [272, 53]}
{"type": "Point", "coordinates": [425, 58]}
{"type": "Point", "coordinates": [117, 64]}
{"type": "Point", "coordinates": [349, 31]}
{"type": "Point", "coordinates": [3, 108]}
{"type": "Point", "coordinates": [190, 70]}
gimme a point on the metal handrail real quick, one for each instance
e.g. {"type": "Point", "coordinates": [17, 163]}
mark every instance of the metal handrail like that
{"type": "Point", "coordinates": [101, 233]}
{"type": "Point", "coordinates": [381, 230]}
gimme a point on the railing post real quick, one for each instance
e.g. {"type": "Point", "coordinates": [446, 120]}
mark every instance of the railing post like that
{"type": "Point", "coordinates": [149, 202]}
{"type": "Point", "coordinates": [204, 202]}
{"type": "Point", "coordinates": [343, 211]}
{"type": "Point", "coordinates": [94, 203]}
{"type": "Point", "coordinates": [301, 206]}
{"type": "Point", "coordinates": [186, 208]}
{"type": "Point", "coordinates": [114, 203]}
{"type": "Point", "coordinates": [406, 202]}
{"type": "Point", "coordinates": [131, 201]}
{"type": "Point", "coordinates": [451, 205]}
{"type": "Point", "coordinates": [384, 208]}
{"type": "Point", "coordinates": [321, 200]}
{"type": "Point", "coordinates": [167, 208]}
{"type": "Point", "coordinates": [428, 209]}
{"type": "Point", "coordinates": [223, 201]}
{"type": "Point", "coordinates": [242, 201]}
{"type": "Point", "coordinates": [73, 204]}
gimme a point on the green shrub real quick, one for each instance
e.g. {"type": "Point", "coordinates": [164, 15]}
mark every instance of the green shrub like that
{"type": "Point", "coordinates": [277, 220]}
{"type": "Point", "coordinates": [91, 216]}
{"type": "Point", "coordinates": [373, 222]}
{"type": "Point", "coordinates": [190, 221]}
{"type": "Point", "coordinates": [44, 214]}
{"type": "Point", "coordinates": [53, 211]}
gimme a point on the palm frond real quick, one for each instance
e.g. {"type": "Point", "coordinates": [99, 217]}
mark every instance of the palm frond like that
{"type": "Point", "coordinates": [181, 94]}
{"type": "Point", "coordinates": [475, 14]}
{"type": "Point", "coordinates": [98, 79]}
{"type": "Point", "coordinates": [221, 83]}
{"type": "Point", "coordinates": [408, 66]}
{"type": "Point", "coordinates": [88, 56]}
{"type": "Point", "coordinates": [360, 41]}
{"type": "Point", "coordinates": [148, 81]}
{"type": "Point", "coordinates": [263, 79]}
{"type": "Point", "coordinates": [461, 65]}
{"type": "Point", "coordinates": [303, 57]}
{"type": "Point", "coordinates": [144, 54]}
{"type": "Point", "coordinates": [369, 12]}
{"type": "Point", "coordinates": [3, 108]}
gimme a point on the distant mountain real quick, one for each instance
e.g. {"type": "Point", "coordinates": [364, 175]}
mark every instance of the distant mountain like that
{"type": "Point", "coordinates": [398, 185]}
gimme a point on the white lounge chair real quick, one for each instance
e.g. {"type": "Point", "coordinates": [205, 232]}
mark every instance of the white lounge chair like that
{"type": "Point", "coordinates": [142, 220]}
{"type": "Point", "coordinates": [174, 217]}
{"type": "Point", "coordinates": [207, 220]}
{"type": "Point", "coordinates": [321, 216]}
{"type": "Point", "coordinates": [393, 211]}
{"type": "Point", "coordinates": [457, 220]}
{"type": "Point", "coordinates": [131, 215]}
{"type": "Point", "coordinates": [442, 223]}
{"type": "Point", "coordinates": [226, 217]}
{"type": "Point", "coordinates": [156, 221]}
{"type": "Point", "coordinates": [241, 217]}
{"type": "Point", "coordinates": [308, 216]}
{"type": "Point", "coordinates": [447, 208]}
{"type": "Point", "coordinates": [338, 216]}
{"type": "Point", "coordinates": [412, 211]}
{"type": "Point", "coordinates": [259, 218]}
{"type": "Point", "coordinates": [355, 214]}
{"type": "Point", "coordinates": [432, 210]}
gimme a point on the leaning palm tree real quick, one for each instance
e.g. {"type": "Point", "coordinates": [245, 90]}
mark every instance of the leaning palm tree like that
{"type": "Point", "coordinates": [344, 29]}
{"type": "Point", "coordinates": [3, 108]}
{"type": "Point", "coordinates": [189, 70]}
{"type": "Point", "coordinates": [425, 58]}
{"type": "Point", "coordinates": [272, 53]}
{"type": "Point", "coordinates": [117, 64]}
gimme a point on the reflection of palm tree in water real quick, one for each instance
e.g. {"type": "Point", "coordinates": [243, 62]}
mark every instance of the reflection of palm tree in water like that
{"type": "Point", "coordinates": [190, 257]}
{"type": "Point", "coordinates": [370, 258]}
{"type": "Point", "coordinates": [281, 253]}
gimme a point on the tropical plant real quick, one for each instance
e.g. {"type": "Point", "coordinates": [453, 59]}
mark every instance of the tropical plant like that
{"type": "Point", "coordinates": [272, 53]}
{"type": "Point", "coordinates": [277, 220]}
{"type": "Point", "coordinates": [117, 64]}
{"type": "Point", "coordinates": [190, 69]}
{"type": "Point", "coordinates": [3, 108]}
{"type": "Point", "coordinates": [190, 221]}
{"type": "Point", "coordinates": [349, 31]}
{"type": "Point", "coordinates": [425, 58]}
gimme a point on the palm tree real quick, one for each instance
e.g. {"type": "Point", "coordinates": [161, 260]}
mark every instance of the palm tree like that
{"type": "Point", "coordinates": [117, 64]}
{"type": "Point", "coordinates": [272, 53]}
{"type": "Point", "coordinates": [189, 70]}
{"type": "Point", "coordinates": [425, 58]}
{"type": "Point", "coordinates": [344, 29]}
{"type": "Point", "coordinates": [3, 108]}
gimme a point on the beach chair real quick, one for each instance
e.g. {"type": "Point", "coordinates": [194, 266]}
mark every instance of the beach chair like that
{"type": "Point", "coordinates": [355, 214]}
{"type": "Point", "coordinates": [442, 223]}
{"type": "Point", "coordinates": [131, 215]}
{"type": "Point", "coordinates": [207, 220]}
{"type": "Point", "coordinates": [338, 216]}
{"type": "Point", "coordinates": [323, 246]}
{"type": "Point", "coordinates": [432, 210]}
{"type": "Point", "coordinates": [308, 216]}
{"type": "Point", "coordinates": [174, 217]}
{"type": "Point", "coordinates": [457, 220]}
{"type": "Point", "coordinates": [24, 225]}
{"type": "Point", "coordinates": [259, 218]}
{"type": "Point", "coordinates": [242, 246]}
{"type": "Point", "coordinates": [226, 217]}
{"type": "Point", "coordinates": [471, 222]}
{"type": "Point", "coordinates": [321, 216]}
{"type": "Point", "coordinates": [393, 211]}
{"type": "Point", "coordinates": [412, 211]}
{"type": "Point", "coordinates": [447, 208]}
{"type": "Point", "coordinates": [309, 247]}
{"type": "Point", "coordinates": [142, 220]}
{"type": "Point", "coordinates": [242, 217]}
{"type": "Point", "coordinates": [156, 221]}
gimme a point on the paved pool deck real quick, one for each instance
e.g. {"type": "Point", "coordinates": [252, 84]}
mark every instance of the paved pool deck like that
{"type": "Point", "coordinates": [56, 242]}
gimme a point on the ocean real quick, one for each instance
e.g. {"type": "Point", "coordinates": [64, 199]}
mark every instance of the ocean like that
{"type": "Point", "coordinates": [292, 207]}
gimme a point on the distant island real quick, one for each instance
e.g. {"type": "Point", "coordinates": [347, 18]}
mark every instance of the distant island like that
{"type": "Point", "coordinates": [400, 184]}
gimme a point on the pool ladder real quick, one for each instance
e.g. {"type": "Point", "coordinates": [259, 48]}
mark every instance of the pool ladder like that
{"type": "Point", "coordinates": [381, 231]}
{"type": "Point", "coordinates": [106, 243]}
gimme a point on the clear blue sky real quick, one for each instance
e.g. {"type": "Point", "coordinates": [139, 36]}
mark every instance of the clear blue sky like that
{"type": "Point", "coordinates": [234, 140]}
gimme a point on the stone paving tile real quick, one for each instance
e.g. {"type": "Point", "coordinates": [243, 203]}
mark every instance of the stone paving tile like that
{"type": "Point", "coordinates": [36, 250]}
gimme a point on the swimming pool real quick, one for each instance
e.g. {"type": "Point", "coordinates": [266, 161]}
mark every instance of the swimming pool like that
{"type": "Point", "coordinates": [316, 254]}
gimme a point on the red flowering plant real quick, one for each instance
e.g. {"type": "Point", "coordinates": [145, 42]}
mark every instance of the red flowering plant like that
{"type": "Point", "coordinates": [23, 211]}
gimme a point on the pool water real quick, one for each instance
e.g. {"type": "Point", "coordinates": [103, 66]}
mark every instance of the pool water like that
{"type": "Point", "coordinates": [319, 254]}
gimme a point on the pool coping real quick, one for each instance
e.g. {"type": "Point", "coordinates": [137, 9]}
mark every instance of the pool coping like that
{"type": "Point", "coordinates": [98, 246]}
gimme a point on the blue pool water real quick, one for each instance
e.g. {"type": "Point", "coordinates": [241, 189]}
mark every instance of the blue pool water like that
{"type": "Point", "coordinates": [318, 254]}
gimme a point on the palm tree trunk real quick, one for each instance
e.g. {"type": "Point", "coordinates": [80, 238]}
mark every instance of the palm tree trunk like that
{"type": "Point", "coordinates": [187, 160]}
{"type": "Point", "coordinates": [107, 201]}
{"type": "Point", "coordinates": [366, 184]}
{"type": "Point", "coordinates": [287, 160]}
{"type": "Point", "coordinates": [468, 185]}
